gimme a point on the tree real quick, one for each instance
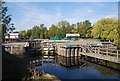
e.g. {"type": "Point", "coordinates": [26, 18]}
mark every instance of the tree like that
{"type": "Point", "coordinates": [35, 32]}
{"type": "Point", "coordinates": [63, 25]}
{"type": "Point", "coordinates": [84, 28]}
{"type": "Point", "coordinates": [71, 29]}
{"type": "Point", "coordinates": [81, 29]}
{"type": "Point", "coordinates": [107, 29]}
{"type": "Point", "coordinates": [5, 20]}
{"type": "Point", "coordinates": [53, 31]}
{"type": "Point", "coordinates": [43, 29]}
{"type": "Point", "coordinates": [12, 28]}
{"type": "Point", "coordinates": [29, 32]}
{"type": "Point", "coordinates": [24, 34]}
{"type": "Point", "coordinates": [47, 34]}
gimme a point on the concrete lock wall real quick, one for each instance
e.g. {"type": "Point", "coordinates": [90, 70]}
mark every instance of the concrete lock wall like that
{"type": "Point", "coordinates": [68, 52]}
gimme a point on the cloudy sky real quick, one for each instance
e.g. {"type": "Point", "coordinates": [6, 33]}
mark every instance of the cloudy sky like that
{"type": "Point", "coordinates": [25, 15]}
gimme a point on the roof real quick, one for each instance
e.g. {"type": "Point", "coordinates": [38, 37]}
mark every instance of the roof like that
{"type": "Point", "coordinates": [72, 35]}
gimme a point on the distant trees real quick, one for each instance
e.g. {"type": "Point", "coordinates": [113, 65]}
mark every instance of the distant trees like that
{"type": "Point", "coordinates": [61, 29]}
{"type": "Point", "coordinates": [103, 29]}
{"type": "Point", "coordinates": [107, 29]}
{"type": "Point", "coordinates": [35, 32]}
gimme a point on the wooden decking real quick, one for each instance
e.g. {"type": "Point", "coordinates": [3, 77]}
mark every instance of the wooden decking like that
{"type": "Point", "coordinates": [103, 57]}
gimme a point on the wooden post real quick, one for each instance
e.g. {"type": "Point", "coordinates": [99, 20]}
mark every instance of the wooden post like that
{"type": "Point", "coordinates": [95, 50]}
{"type": "Point", "coordinates": [107, 52]}
{"type": "Point", "coordinates": [78, 50]}
{"type": "Point", "coordinates": [62, 51]}
{"type": "Point", "coordinates": [11, 49]}
{"type": "Point", "coordinates": [98, 51]}
{"type": "Point", "coordinates": [117, 54]}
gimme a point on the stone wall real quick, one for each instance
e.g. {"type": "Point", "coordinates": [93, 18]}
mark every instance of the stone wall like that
{"type": "Point", "coordinates": [15, 50]}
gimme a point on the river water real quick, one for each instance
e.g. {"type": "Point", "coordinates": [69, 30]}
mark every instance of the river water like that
{"type": "Point", "coordinates": [73, 68]}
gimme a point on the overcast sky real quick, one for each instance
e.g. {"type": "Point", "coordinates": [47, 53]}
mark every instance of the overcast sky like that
{"type": "Point", "coordinates": [25, 15]}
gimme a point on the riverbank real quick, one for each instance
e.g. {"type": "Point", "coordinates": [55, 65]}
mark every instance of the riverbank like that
{"type": "Point", "coordinates": [18, 68]}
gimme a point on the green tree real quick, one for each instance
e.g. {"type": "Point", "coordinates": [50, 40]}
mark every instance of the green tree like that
{"type": "Point", "coordinates": [63, 25]}
{"type": "Point", "coordinates": [84, 28]}
{"type": "Point", "coordinates": [5, 20]}
{"type": "Point", "coordinates": [42, 29]}
{"type": "Point", "coordinates": [81, 29]}
{"type": "Point", "coordinates": [29, 32]}
{"type": "Point", "coordinates": [47, 34]}
{"type": "Point", "coordinates": [53, 31]}
{"type": "Point", "coordinates": [35, 32]}
{"type": "Point", "coordinates": [24, 34]}
{"type": "Point", "coordinates": [11, 28]}
{"type": "Point", "coordinates": [107, 29]}
{"type": "Point", "coordinates": [71, 29]}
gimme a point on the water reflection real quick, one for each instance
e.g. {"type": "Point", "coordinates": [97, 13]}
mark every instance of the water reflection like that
{"type": "Point", "coordinates": [73, 68]}
{"type": "Point", "coordinates": [69, 63]}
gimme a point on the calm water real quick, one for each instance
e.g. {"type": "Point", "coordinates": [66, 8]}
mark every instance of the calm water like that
{"type": "Point", "coordinates": [73, 68]}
